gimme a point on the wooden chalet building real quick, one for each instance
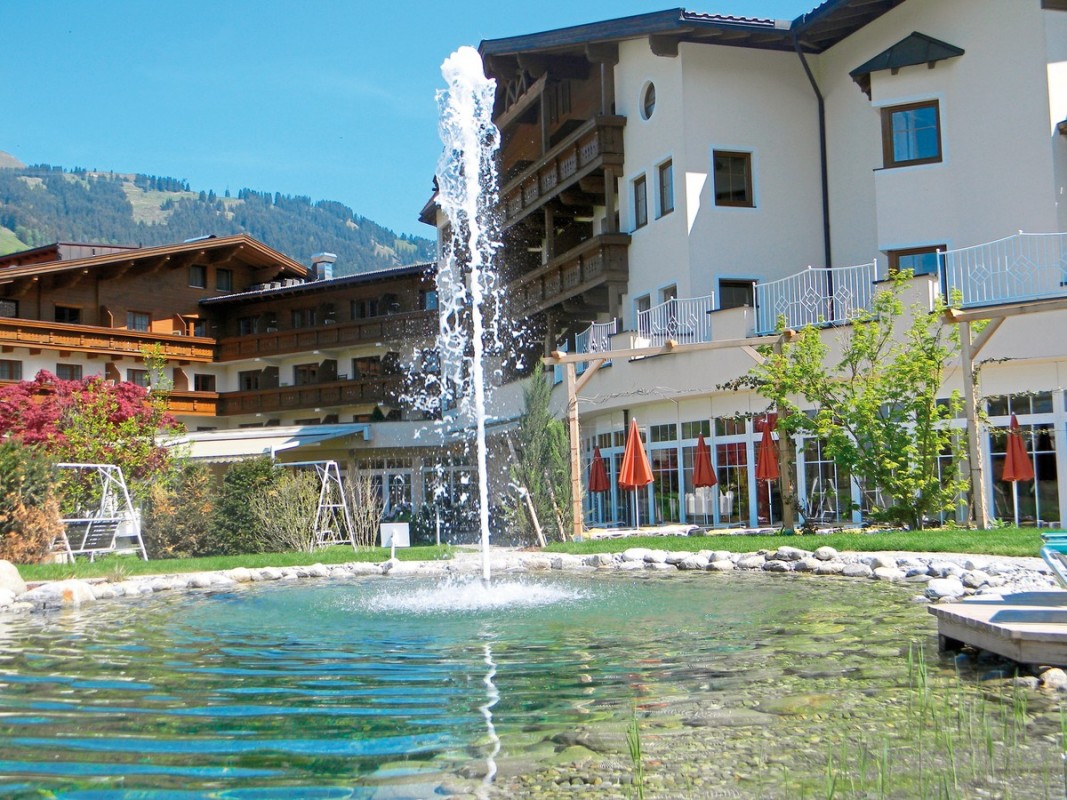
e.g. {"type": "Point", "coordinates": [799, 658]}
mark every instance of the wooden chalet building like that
{"type": "Point", "coordinates": [251, 337]}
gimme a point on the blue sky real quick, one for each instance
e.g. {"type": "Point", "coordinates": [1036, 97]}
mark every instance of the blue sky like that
{"type": "Point", "coordinates": [333, 99]}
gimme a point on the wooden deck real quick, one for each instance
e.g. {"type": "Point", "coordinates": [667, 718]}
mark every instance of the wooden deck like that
{"type": "Point", "coordinates": [1028, 627]}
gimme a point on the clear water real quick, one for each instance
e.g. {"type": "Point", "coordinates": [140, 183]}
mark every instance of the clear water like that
{"type": "Point", "coordinates": [744, 686]}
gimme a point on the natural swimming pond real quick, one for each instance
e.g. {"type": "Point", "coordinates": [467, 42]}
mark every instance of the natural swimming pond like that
{"type": "Point", "coordinates": [740, 686]}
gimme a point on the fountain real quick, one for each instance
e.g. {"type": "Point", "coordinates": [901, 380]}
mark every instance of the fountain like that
{"type": "Point", "coordinates": [468, 293]}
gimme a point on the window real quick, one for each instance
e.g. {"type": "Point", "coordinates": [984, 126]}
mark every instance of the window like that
{"type": "Point", "coordinates": [138, 321]}
{"type": "Point", "coordinates": [640, 203]}
{"type": "Point", "coordinates": [9, 308]}
{"type": "Point", "coordinates": [663, 433]}
{"type": "Point", "coordinates": [920, 260]}
{"type": "Point", "coordinates": [648, 101]}
{"type": "Point", "coordinates": [668, 293]}
{"type": "Point", "coordinates": [224, 280]}
{"type": "Point", "coordinates": [733, 178]}
{"type": "Point", "coordinates": [911, 134]}
{"type": "Point", "coordinates": [666, 188]}
{"type": "Point", "coordinates": [735, 294]}
{"type": "Point", "coordinates": [69, 372]}
{"type": "Point", "coordinates": [197, 327]}
{"type": "Point", "coordinates": [303, 317]}
{"type": "Point", "coordinates": [700, 427]}
{"type": "Point", "coordinates": [203, 383]}
{"type": "Point", "coordinates": [362, 309]}
{"type": "Point", "coordinates": [198, 276]}
{"type": "Point", "coordinates": [68, 314]}
{"type": "Point", "coordinates": [248, 381]}
{"type": "Point", "coordinates": [10, 370]}
{"type": "Point", "coordinates": [428, 300]}
{"type": "Point", "coordinates": [138, 377]}
{"type": "Point", "coordinates": [643, 303]}
{"type": "Point", "coordinates": [305, 374]}
{"type": "Point", "coordinates": [247, 326]}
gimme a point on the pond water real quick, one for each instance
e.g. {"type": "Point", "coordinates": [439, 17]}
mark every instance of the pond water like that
{"type": "Point", "coordinates": [737, 686]}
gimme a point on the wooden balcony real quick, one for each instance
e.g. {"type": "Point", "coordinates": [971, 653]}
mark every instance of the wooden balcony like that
{"type": "Point", "coordinates": [383, 389]}
{"type": "Point", "coordinates": [593, 146]}
{"type": "Point", "coordinates": [597, 263]}
{"type": "Point", "coordinates": [101, 341]}
{"type": "Point", "coordinates": [387, 328]}
{"type": "Point", "coordinates": [201, 404]}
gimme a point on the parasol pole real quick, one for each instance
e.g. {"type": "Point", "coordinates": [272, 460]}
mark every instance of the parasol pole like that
{"type": "Point", "coordinates": [1015, 500]}
{"type": "Point", "coordinates": [770, 505]}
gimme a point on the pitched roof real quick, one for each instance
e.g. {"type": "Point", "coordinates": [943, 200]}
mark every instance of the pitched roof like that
{"type": "Point", "coordinates": [918, 48]}
{"type": "Point", "coordinates": [815, 31]}
{"type": "Point", "coordinates": [252, 251]}
{"type": "Point", "coordinates": [310, 287]}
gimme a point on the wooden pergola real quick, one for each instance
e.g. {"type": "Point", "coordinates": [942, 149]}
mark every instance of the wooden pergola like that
{"type": "Point", "coordinates": [576, 383]}
{"type": "Point", "coordinates": [969, 349]}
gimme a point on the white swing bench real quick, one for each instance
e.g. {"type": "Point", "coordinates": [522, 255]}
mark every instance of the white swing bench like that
{"type": "Point", "coordinates": [114, 526]}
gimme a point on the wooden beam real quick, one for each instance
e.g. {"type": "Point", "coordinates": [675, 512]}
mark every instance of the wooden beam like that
{"type": "Point", "coordinates": [754, 354]}
{"type": "Point", "coordinates": [577, 525]}
{"type": "Point", "coordinates": [1006, 310]}
{"type": "Point", "coordinates": [983, 338]}
{"type": "Point", "coordinates": [970, 410]}
{"type": "Point", "coordinates": [664, 46]}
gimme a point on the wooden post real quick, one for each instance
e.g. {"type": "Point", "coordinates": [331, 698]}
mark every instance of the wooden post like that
{"type": "Point", "coordinates": [576, 462]}
{"type": "Point", "coordinates": [974, 452]}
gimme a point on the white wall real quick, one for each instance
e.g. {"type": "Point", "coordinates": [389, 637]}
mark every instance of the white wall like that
{"type": "Point", "coordinates": [996, 176]}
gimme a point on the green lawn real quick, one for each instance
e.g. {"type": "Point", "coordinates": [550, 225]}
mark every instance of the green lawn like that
{"type": "Point", "coordinates": [1000, 542]}
{"type": "Point", "coordinates": [129, 566]}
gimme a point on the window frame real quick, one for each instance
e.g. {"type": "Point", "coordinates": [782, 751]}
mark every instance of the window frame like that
{"type": "Point", "coordinates": [10, 369]}
{"type": "Point", "coordinates": [223, 280]}
{"type": "Point", "coordinates": [894, 257]}
{"type": "Point", "coordinates": [648, 101]}
{"type": "Point", "coordinates": [737, 283]}
{"type": "Point", "coordinates": [136, 316]}
{"type": "Point", "coordinates": [139, 377]}
{"type": "Point", "coordinates": [204, 382]}
{"type": "Point", "coordinates": [67, 311]}
{"type": "Point", "coordinates": [749, 200]}
{"type": "Point", "coordinates": [197, 276]}
{"type": "Point", "coordinates": [889, 160]}
{"type": "Point", "coordinates": [665, 204]}
{"type": "Point", "coordinates": [639, 193]}
{"type": "Point", "coordinates": [73, 370]}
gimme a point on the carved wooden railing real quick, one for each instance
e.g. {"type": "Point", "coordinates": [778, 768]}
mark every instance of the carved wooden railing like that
{"type": "Point", "coordinates": [596, 144]}
{"type": "Point", "coordinates": [597, 261]}
{"type": "Point", "coordinates": [383, 389]}
{"type": "Point", "coordinates": [94, 339]}
{"type": "Point", "coordinates": [194, 403]}
{"type": "Point", "coordinates": [387, 328]}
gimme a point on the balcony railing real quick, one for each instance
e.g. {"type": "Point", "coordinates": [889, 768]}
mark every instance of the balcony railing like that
{"type": "Point", "coordinates": [595, 339]}
{"type": "Point", "coordinates": [815, 297]}
{"type": "Point", "coordinates": [383, 389]}
{"type": "Point", "coordinates": [194, 403]}
{"type": "Point", "coordinates": [683, 321]}
{"type": "Point", "coordinates": [94, 339]}
{"type": "Point", "coordinates": [1026, 266]}
{"type": "Point", "coordinates": [596, 144]}
{"type": "Point", "coordinates": [387, 328]}
{"type": "Point", "coordinates": [595, 262]}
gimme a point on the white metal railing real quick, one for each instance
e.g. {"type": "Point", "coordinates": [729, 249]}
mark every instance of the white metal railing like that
{"type": "Point", "coordinates": [683, 321]}
{"type": "Point", "coordinates": [1025, 266]}
{"type": "Point", "coordinates": [594, 339]}
{"type": "Point", "coordinates": [815, 297]}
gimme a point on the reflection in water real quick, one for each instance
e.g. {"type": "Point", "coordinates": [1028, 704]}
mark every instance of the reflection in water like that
{"type": "Point", "coordinates": [492, 697]}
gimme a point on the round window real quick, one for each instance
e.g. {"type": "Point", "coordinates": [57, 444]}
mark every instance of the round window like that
{"type": "Point", "coordinates": [648, 100]}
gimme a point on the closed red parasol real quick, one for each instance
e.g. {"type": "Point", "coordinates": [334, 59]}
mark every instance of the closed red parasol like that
{"type": "Point", "coordinates": [767, 464]}
{"type": "Point", "coordinates": [635, 471]}
{"type": "Point", "coordinates": [1017, 464]}
{"type": "Point", "coordinates": [598, 473]}
{"type": "Point", "coordinates": [767, 457]}
{"type": "Point", "coordinates": [703, 474]}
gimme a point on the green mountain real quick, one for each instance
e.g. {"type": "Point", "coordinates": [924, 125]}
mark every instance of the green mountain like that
{"type": "Point", "coordinates": [41, 204]}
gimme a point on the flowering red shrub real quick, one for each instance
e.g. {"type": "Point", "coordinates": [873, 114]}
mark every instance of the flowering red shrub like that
{"type": "Point", "coordinates": [89, 420]}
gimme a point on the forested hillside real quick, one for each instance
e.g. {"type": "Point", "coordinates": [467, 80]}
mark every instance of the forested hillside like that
{"type": "Point", "coordinates": [42, 204]}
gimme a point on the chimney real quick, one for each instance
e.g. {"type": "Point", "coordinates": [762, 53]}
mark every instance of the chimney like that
{"type": "Point", "coordinates": [322, 266]}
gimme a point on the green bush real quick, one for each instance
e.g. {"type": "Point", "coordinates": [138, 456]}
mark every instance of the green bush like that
{"type": "Point", "coordinates": [178, 515]}
{"type": "Point", "coordinates": [29, 509]}
{"type": "Point", "coordinates": [236, 528]}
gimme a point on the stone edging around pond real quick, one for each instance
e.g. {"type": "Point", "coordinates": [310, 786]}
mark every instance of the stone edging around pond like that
{"type": "Point", "coordinates": [937, 577]}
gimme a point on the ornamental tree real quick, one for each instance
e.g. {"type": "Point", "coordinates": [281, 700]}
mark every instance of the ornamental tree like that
{"type": "Point", "coordinates": [877, 409]}
{"type": "Point", "coordinates": [89, 420]}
